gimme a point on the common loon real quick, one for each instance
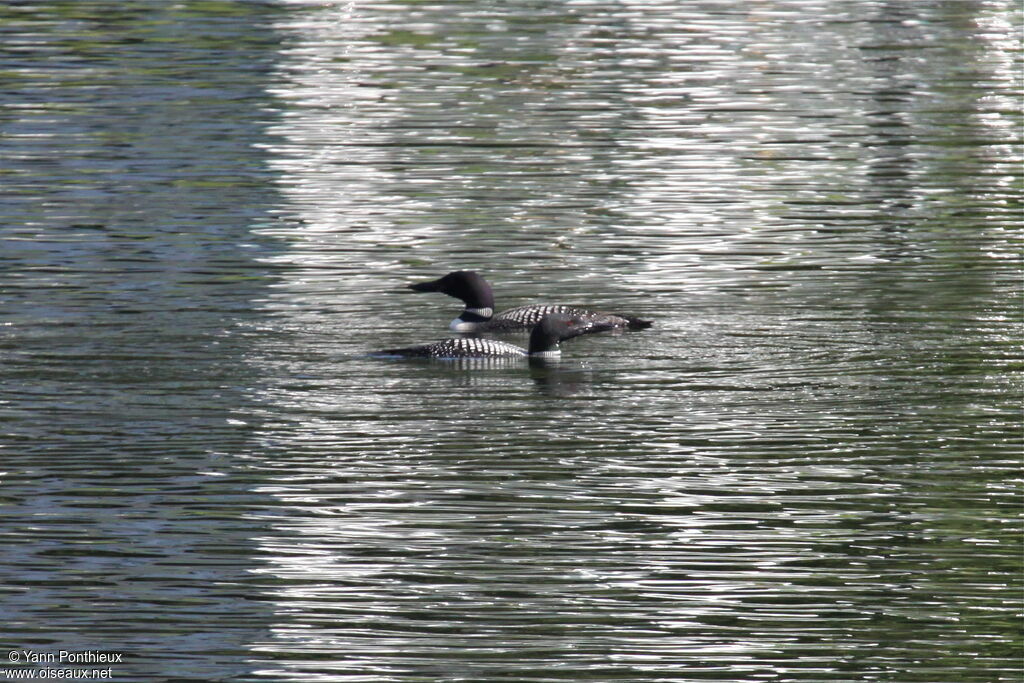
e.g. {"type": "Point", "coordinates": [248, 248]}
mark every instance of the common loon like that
{"type": "Point", "coordinates": [544, 339]}
{"type": "Point", "coordinates": [478, 316]}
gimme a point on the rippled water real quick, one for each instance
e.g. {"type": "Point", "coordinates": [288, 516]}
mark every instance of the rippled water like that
{"type": "Point", "coordinates": [807, 470]}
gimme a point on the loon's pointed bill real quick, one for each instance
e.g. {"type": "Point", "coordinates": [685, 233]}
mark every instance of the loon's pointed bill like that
{"type": "Point", "coordinates": [432, 286]}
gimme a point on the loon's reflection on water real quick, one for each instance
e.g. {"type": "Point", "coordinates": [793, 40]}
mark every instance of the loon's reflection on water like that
{"type": "Point", "coordinates": [561, 377]}
{"type": "Point", "coordinates": [553, 375]}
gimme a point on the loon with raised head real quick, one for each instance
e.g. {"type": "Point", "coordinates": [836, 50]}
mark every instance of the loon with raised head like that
{"type": "Point", "coordinates": [544, 340]}
{"type": "Point", "coordinates": [478, 316]}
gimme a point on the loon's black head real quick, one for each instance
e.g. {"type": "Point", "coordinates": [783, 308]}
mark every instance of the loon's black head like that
{"type": "Point", "coordinates": [466, 285]}
{"type": "Point", "coordinates": [558, 327]}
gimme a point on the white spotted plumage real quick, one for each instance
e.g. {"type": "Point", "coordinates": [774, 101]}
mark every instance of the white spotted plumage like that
{"type": "Point", "coordinates": [528, 316]}
{"type": "Point", "coordinates": [463, 347]}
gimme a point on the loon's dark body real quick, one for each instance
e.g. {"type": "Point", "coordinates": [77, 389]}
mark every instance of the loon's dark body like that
{"type": "Point", "coordinates": [476, 293]}
{"type": "Point", "coordinates": [544, 340]}
{"type": "Point", "coordinates": [524, 317]}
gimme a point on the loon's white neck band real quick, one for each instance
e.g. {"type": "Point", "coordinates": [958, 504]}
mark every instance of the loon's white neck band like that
{"type": "Point", "coordinates": [461, 325]}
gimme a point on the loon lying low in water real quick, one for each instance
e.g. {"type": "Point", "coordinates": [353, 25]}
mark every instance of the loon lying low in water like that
{"type": "Point", "coordinates": [544, 339]}
{"type": "Point", "coordinates": [478, 316]}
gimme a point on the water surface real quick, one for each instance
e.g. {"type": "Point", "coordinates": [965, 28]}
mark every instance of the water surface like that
{"type": "Point", "coordinates": [807, 470]}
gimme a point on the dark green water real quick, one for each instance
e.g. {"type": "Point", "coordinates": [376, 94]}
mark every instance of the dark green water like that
{"type": "Point", "coordinates": [808, 470]}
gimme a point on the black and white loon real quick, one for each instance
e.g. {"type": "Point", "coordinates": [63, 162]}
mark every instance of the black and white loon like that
{"type": "Point", "coordinates": [544, 339]}
{"type": "Point", "coordinates": [478, 316]}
